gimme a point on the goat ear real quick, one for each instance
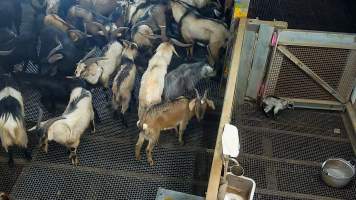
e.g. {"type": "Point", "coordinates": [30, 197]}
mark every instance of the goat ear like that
{"type": "Point", "coordinates": [210, 104]}
{"type": "Point", "coordinates": [55, 57]}
{"type": "Point", "coordinates": [192, 104]}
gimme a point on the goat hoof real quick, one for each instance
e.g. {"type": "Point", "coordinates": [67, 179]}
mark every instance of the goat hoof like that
{"type": "Point", "coordinates": [44, 149]}
{"type": "Point", "coordinates": [11, 163]}
{"type": "Point", "coordinates": [75, 161]}
{"type": "Point", "coordinates": [151, 162]}
{"type": "Point", "coordinates": [28, 155]}
{"type": "Point", "coordinates": [181, 143]}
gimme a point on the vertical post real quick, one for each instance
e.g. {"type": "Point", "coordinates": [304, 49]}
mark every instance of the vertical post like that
{"type": "Point", "coordinates": [216, 167]}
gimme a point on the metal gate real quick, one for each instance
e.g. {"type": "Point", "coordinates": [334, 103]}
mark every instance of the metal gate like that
{"type": "Point", "coordinates": [308, 65]}
{"type": "Point", "coordinates": [313, 69]}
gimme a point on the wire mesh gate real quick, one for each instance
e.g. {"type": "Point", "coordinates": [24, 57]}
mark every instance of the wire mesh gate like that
{"type": "Point", "coordinates": [312, 65]}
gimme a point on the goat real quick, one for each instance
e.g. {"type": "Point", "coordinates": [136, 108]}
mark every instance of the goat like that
{"type": "Point", "coordinates": [54, 90]}
{"type": "Point", "coordinates": [153, 21]}
{"type": "Point", "coordinates": [124, 80]}
{"type": "Point", "coordinates": [194, 27]}
{"type": "Point", "coordinates": [152, 82]}
{"type": "Point", "coordinates": [101, 69]}
{"type": "Point", "coordinates": [275, 105]}
{"type": "Point", "coordinates": [183, 79]}
{"type": "Point", "coordinates": [169, 115]}
{"type": "Point", "coordinates": [70, 126]}
{"type": "Point", "coordinates": [94, 23]}
{"type": "Point", "coordinates": [12, 128]}
{"type": "Point", "coordinates": [57, 22]}
{"type": "Point", "coordinates": [58, 53]}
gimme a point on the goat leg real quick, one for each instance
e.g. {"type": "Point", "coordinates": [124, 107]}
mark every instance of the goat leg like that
{"type": "Point", "coordinates": [123, 120]}
{"type": "Point", "coordinates": [138, 146]}
{"type": "Point", "coordinates": [182, 127]}
{"type": "Point", "coordinates": [73, 156]}
{"type": "Point", "coordinates": [28, 153]}
{"type": "Point", "coordinates": [44, 144]}
{"type": "Point", "coordinates": [92, 126]}
{"type": "Point", "coordinates": [106, 94]}
{"type": "Point", "coordinates": [96, 115]}
{"type": "Point", "coordinates": [10, 152]}
{"type": "Point", "coordinates": [149, 152]}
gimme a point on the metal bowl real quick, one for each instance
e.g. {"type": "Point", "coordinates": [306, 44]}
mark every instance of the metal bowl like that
{"type": "Point", "coordinates": [337, 172]}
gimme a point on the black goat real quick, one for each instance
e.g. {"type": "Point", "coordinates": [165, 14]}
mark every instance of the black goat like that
{"type": "Point", "coordinates": [58, 54]}
{"type": "Point", "coordinates": [183, 79]}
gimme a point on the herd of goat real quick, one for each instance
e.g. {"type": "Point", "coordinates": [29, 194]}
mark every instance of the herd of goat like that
{"type": "Point", "coordinates": [82, 44]}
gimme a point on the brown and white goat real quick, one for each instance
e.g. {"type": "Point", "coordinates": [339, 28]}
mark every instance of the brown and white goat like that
{"type": "Point", "coordinates": [169, 115]}
{"type": "Point", "coordinates": [100, 69]}
{"type": "Point", "coordinates": [152, 82]}
{"type": "Point", "coordinates": [70, 126]}
{"type": "Point", "coordinates": [195, 28]}
{"type": "Point", "coordinates": [12, 128]}
{"type": "Point", "coordinates": [124, 80]}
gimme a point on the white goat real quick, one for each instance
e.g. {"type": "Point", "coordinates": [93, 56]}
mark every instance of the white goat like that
{"type": "Point", "coordinates": [193, 27]}
{"type": "Point", "coordinates": [12, 130]}
{"type": "Point", "coordinates": [100, 69]}
{"type": "Point", "coordinates": [152, 82]}
{"type": "Point", "coordinates": [70, 126]}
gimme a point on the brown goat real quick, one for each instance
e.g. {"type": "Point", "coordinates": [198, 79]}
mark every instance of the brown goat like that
{"type": "Point", "coordinates": [168, 116]}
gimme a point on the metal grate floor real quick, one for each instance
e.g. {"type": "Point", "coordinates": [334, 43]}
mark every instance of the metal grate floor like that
{"type": "Point", "coordinates": [284, 156]}
{"type": "Point", "coordinates": [108, 169]}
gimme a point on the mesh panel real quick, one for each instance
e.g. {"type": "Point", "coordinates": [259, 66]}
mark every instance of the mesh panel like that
{"type": "Point", "coordinates": [69, 183]}
{"type": "Point", "coordinates": [312, 122]}
{"type": "Point", "coordinates": [294, 178]}
{"type": "Point", "coordinates": [292, 146]}
{"type": "Point", "coordinates": [8, 176]}
{"type": "Point", "coordinates": [287, 80]}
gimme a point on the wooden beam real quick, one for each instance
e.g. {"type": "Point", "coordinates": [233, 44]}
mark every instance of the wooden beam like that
{"type": "Point", "coordinates": [352, 116]}
{"type": "Point", "coordinates": [316, 104]}
{"type": "Point", "coordinates": [276, 24]}
{"type": "Point", "coordinates": [216, 167]}
{"type": "Point", "coordinates": [259, 62]}
{"type": "Point", "coordinates": [317, 39]}
{"type": "Point", "coordinates": [310, 73]}
{"type": "Point", "coordinates": [247, 54]}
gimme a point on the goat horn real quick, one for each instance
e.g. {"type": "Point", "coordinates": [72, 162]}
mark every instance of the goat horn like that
{"type": "Point", "coordinates": [57, 48]}
{"type": "Point", "coordinates": [205, 94]}
{"type": "Point", "coordinates": [197, 93]}
{"type": "Point", "coordinates": [90, 61]}
{"type": "Point", "coordinates": [90, 53]}
{"type": "Point", "coordinates": [102, 27]}
{"type": "Point", "coordinates": [181, 44]}
{"type": "Point", "coordinates": [6, 53]}
{"type": "Point", "coordinates": [61, 20]}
